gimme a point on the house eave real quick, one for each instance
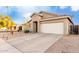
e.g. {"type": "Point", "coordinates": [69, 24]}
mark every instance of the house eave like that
{"type": "Point", "coordinates": [56, 18]}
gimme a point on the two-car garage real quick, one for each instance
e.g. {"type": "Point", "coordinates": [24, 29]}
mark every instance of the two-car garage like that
{"type": "Point", "coordinates": [57, 28]}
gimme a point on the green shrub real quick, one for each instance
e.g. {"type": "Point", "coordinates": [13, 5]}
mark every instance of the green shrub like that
{"type": "Point", "coordinates": [26, 31]}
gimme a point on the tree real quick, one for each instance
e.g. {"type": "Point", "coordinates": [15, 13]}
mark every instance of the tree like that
{"type": "Point", "coordinates": [6, 21]}
{"type": "Point", "coordinates": [2, 24]}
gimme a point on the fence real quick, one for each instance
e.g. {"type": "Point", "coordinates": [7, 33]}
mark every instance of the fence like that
{"type": "Point", "coordinates": [74, 29]}
{"type": "Point", "coordinates": [8, 35]}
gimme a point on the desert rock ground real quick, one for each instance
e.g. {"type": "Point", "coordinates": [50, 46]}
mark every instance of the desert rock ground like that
{"type": "Point", "coordinates": [66, 44]}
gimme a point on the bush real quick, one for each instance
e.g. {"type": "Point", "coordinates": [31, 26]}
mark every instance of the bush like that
{"type": "Point", "coordinates": [26, 31]}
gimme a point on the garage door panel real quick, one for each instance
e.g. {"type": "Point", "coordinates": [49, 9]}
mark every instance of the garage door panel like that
{"type": "Point", "coordinates": [57, 28]}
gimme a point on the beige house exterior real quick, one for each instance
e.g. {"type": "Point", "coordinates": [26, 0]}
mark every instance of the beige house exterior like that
{"type": "Point", "coordinates": [45, 22]}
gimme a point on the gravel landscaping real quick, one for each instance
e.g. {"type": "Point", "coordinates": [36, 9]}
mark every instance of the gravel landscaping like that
{"type": "Point", "coordinates": [67, 44]}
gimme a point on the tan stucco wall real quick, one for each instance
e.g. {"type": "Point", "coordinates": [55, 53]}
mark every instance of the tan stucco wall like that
{"type": "Point", "coordinates": [65, 21]}
{"type": "Point", "coordinates": [67, 25]}
{"type": "Point", "coordinates": [52, 20]}
{"type": "Point", "coordinates": [36, 18]}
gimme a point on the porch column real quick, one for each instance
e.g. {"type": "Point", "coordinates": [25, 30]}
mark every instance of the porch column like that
{"type": "Point", "coordinates": [32, 27]}
{"type": "Point", "coordinates": [38, 26]}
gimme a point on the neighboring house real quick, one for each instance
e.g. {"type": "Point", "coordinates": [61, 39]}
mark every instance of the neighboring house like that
{"type": "Point", "coordinates": [19, 27]}
{"type": "Point", "coordinates": [26, 26]}
{"type": "Point", "coordinates": [44, 22]}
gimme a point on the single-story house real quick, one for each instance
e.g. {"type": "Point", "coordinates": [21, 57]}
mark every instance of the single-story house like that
{"type": "Point", "coordinates": [45, 22]}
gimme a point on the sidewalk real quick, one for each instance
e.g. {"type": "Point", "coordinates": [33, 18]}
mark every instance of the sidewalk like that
{"type": "Point", "coordinates": [6, 48]}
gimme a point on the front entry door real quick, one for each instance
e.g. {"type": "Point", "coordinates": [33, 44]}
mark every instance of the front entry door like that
{"type": "Point", "coordinates": [35, 26]}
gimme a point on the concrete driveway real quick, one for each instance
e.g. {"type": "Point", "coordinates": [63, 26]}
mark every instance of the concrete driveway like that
{"type": "Point", "coordinates": [33, 42]}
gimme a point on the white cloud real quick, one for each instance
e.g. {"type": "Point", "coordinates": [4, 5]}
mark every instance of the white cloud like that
{"type": "Point", "coordinates": [28, 11]}
{"type": "Point", "coordinates": [27, 15]}
{"type": "Point", "coordinates": [63, 7]}
{"type": "Point", "coordinates": [75, 8]}
{"type": "Point", "coordinates": [32, 9]}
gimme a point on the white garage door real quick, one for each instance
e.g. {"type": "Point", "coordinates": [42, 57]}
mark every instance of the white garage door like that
{"type": "Point", "coordinates": [57, 28]}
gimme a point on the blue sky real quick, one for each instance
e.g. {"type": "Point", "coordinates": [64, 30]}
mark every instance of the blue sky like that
{"type": "Point", "coordinates": [20, 14]}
